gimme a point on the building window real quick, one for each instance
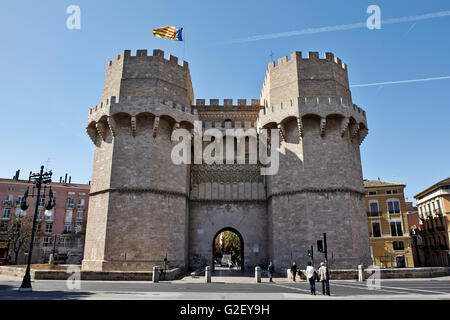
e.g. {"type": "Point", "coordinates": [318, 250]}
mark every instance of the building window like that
{"type": "Point", "coordinates": [80, 204]}
{"type": "Point", "coordinates": [69, 203]}
{"type": "Point", "coordinates": [19, 213]}
{"type": "Point", "coordinates": [64, 242]}
{"type": "Point", "coordinates": [8, 200]}
{"type": "Point", "coordinates": [80, 243]}
{"type": "Point", "coordinates": [68, 217]}
{"type": "Point", "coordinates": [6, 213]}
{"type": "Point", "coordinates": [37, 228]}
{"type": "Point", "coordinates": [41, 201]}
{"type": "Point", "coordinates": [48, 228]}
{"type": "Point", "coordinates": [394, 191]}
{"type": "Point", "coordinates": [372, 193]}
{"type": "Point", "coordinates": [78, 228]}
{"type": "Point", "coordinates": [401, 261]}
{"type": "Point", "coordinates": [48, 241]}
{"type": "Point", "coordinates": [393, 206]}
{"type": "Point", "coordinates": [49, 215]}
{"type": "Point", "coordinates": [376, 229]}
{"type": "Point", "coordinates": [67, 228]}
{"type": "Point", "coordinates": [3, 226]}
{"type": "Point", "coordinates": [396, 229]}
{"type": "Point", "coordinates": [40, 215]}
{"type": "Point", "coordinates": [19, 200]}
{"type": "Point", "coordinates": [398, 245]}
{"type": "Point", "coordinates": [373, 206]}
{"type": "Point", "coordinates": [79, 215]}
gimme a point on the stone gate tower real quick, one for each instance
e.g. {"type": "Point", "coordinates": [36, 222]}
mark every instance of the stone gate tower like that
{"type": "Point", "coordinates": [139, 210]}
{"type": "Point", "coordinates": [319, 185]}
{"type": "Point", "coordinates": [143, 207]}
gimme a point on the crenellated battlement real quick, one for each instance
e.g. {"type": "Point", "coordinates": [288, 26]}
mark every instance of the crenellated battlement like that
{"type": "Point", "coordinates": [299, 76]}
{"type": "Point", "coordinates": [134, 105]}
{"type": "Point", "coordinates": [312, 57]}
{"type": "Point", "coordinates": [223, 125]}
{"type": "Point", "coordinates": [144, 74]}
{"type": "Point", "coordinates": [141, 53]}
{"type": "Point", "coordinates": [314, 102]}
{"type": "Point", "coordinates": [320, 107]}
{"type": "Point", "coordinates": [227, 102]}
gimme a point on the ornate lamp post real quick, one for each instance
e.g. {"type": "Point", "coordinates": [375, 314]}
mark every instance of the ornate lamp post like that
{"type": "Point", "coordinates": [38, 179]}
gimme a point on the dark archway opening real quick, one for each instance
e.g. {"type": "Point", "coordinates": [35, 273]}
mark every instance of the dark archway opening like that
{"type": "Point", "coordinates": [228, 250]}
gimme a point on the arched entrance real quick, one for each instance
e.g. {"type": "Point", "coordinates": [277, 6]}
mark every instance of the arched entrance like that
{"type": "Point", "coordinates": [228, 250]}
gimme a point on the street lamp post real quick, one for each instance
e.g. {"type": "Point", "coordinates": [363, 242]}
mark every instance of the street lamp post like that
{"type": "Point", "coordinates": [38, 179]}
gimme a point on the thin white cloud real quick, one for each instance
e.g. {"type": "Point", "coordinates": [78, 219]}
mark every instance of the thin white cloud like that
{"type": "Point", "coordinates": [341, 27]}
{"type": "Point", "coordinates": [398, 82]}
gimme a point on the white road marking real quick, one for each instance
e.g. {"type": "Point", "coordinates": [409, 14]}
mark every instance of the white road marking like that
{"type": "Point", "coordinates": [408, 289]}
{"type": "Point", "coordinates": [366, 288]}
{"type": "Point", "coordinates": [293, 288]}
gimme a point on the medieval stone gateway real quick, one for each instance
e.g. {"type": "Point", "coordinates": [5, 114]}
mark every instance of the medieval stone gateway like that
{"type": "Point", "coordinates": [143, 207]}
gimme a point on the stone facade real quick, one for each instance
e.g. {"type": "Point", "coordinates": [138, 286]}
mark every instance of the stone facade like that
{"type": "Point", "coordinates": [143, 207]}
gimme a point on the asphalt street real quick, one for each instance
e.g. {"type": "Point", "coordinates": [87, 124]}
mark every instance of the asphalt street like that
{"type": "Point", "coordinates": [224, 288]}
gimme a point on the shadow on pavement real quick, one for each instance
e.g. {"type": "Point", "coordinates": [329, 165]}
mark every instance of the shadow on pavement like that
{"type": "Point", "coordinates": [8, 292]}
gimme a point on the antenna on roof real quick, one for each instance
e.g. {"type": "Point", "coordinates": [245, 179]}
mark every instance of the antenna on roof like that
{"type": "Point", "coordinates": [47, 163]}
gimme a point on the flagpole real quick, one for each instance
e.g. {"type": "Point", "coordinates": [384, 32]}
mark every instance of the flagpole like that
{"type": "Point", "coordinates": [184, 42]}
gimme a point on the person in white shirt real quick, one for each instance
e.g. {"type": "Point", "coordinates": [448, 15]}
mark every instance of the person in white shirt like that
{"type": "Point", "coordinates": [311, 275]}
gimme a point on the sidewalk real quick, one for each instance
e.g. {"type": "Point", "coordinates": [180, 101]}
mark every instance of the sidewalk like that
{"type": "Point", "coordinates": [218, 279]}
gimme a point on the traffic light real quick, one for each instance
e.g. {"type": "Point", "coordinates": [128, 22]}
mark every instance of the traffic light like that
{"type": "Point", "coordinates": [309, 253]}
{"type": "Point", "coordinates": [320, 245]}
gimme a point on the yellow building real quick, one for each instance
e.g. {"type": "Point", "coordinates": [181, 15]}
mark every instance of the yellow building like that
{"type": "Point", "coordinates": [433, 204]}
{"type": "Point", "coordinates": [390, 243]}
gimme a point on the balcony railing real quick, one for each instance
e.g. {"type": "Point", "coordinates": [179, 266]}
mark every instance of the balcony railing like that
{"type": "Point", "coordinates": [374, 213]}
{"type": "Point", "coordinates": [7, 202]}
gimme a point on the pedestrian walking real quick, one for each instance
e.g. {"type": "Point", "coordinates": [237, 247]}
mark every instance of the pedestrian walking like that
{"type": "Point", "coordinates": [324, 279]}
{"type": "Point", "coordinates": [271, 269]}
{"type": "Point", "coordinates": [294, 270]}
{"type": "Point", "coordinates": [311, 273]}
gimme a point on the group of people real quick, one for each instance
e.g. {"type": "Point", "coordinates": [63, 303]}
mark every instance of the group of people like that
{"type": "Point", "coordinates": [312, 275]}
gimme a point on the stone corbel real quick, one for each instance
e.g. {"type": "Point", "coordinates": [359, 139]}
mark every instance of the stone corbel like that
{"type": "Point", "coordinates": [101, 130]}
{"type": "Point", "coordinates": [323, 124]}
{"type": "Point", "coordinates": [354, 128]}
{"type": "Point", "coordinates": [345, 123]}
{"type": "Point", "coordinates": [300, 127]}
{"type": "Point", "coordinates": [363, 134]}
{"type": "Point", "coordinates": [112, 125]}
{"type": "Point", "coordinates": [92, 134]}
{"type": "Point", "coordinates": [280, 128]}
{"type": "Point", "coordinates": [133, 126]}
{"type": "Point", "coordinates": [155, 126]}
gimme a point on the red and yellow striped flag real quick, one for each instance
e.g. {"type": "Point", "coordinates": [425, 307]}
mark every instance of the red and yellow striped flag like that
{"type": "Point", "coordinates": [169, 33]}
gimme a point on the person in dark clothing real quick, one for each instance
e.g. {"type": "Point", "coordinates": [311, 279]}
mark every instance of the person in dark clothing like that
{"type": "Point", "coordinates": [271, 269]}
{"type": "Point", "coordinates": [294, 270]}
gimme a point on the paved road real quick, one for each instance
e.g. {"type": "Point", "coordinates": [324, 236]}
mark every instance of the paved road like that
{"type": "Point", "coordinates": [225, 288]}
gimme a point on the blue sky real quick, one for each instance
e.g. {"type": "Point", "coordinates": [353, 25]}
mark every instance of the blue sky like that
{"type": "Point", "coordinates": [51, 75]}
